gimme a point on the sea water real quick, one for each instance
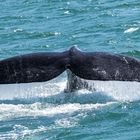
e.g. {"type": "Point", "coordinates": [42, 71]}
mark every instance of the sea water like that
{"type": "Point", "coordinates": [43, 111]}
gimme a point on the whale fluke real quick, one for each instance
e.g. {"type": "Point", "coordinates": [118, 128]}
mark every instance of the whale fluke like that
{"type": "Point", "coordinates": [35, 67]}
{"type": "Point", "coordinates": [39, 67]}
{"type": "Point", "coordinates": [104, 66]}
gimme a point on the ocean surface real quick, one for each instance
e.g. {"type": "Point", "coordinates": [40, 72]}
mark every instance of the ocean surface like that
{"type": "Point", "coordinates": [42, 111]}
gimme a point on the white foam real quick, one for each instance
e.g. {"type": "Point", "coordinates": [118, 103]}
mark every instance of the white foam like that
{"type": "Point", "coordinates": [66, 12]}
{"type": "Point", "coordinates": [65, 122]}
{"type": "Point", "coordinates": [10, 111]}
{"type": "Point", "coordinates": [131, 30]}
{"type": "Point", "coordinates": [18, 30]}
{"type": "Point", "coordinates": [30, 90]}
{"type": "Point", "coordinates": [118, 90]}
{"type": "Point", "coordinates": [20, 132]}
{"type": "Point", "coordinates": [53, 91]}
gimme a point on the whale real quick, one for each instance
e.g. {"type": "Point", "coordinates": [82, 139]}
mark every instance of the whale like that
{"type": "Point", "coordinates": [34, 67]}
{"type": "Point", "coordinates": [44, 66]}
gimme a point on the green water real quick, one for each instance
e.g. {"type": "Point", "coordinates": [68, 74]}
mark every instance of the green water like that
{"type": "Point", "coordinates": [42, 112]}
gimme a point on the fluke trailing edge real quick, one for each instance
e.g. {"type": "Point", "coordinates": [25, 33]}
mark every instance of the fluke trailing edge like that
{"type": "Point", "coordinates": [38, 67]}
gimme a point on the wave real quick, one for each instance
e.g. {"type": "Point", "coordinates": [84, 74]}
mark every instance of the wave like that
{"type": "Point", "coordinates": [10, 111]}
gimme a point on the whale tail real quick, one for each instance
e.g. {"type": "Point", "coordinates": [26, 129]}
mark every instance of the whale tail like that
{"type": "Point", "coordinates": [35, 67]}
{"type": "Point", "coordinates": [39, 67]}
{"type": "Point", "coordinates": [75, 83]}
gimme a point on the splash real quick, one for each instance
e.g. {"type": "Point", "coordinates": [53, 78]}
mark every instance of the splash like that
{"type": "Point", "coordinates": [30, 90]}
{"type": "Point", "coordinates": [117, 90]}
{"type": "Point", "coordinates": [10, 111]}
{"type": "Point", "coordinates": [53, 92]}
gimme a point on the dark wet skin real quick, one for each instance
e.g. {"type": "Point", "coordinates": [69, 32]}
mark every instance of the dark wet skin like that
{"type": "Point", "coordinates": [39, 67]}
{"type": "Point", "coordinates": [104, 66]}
